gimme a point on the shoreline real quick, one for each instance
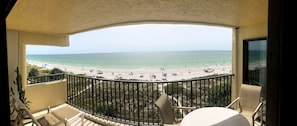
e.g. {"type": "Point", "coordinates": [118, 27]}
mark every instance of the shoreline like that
{"type": "Point", "coordinates": [139, 74]}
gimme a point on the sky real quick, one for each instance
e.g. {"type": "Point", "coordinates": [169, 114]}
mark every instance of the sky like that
{"type": "Point", "coordinates": [143, 37]}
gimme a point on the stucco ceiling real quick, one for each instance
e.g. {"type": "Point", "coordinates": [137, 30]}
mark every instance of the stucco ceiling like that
{"type": "Point", "coordinates": [73, 16]}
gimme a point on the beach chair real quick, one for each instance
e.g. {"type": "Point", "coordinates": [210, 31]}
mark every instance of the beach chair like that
{"type": "Point", "coordinates": [248, 103]}
{"type": "Point", "coordinates": [62, 116]}
{"type": "Point", "coordinates": [22, 113]}
{"type": "Point", "coordinates": [167, 111]}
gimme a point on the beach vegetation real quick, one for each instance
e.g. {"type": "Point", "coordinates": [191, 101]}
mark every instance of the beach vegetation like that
{"type": "Point", "coordinates": [99, 77]}
{"type": "Point", "coordinates": [45, 71]}
{"type": "Point", "coordinates": [34, 69]}
{"type": "Point", "coordinates": [171, 89]}
{"type": "Point", "coordinates": [33, 72]}
{"type": "Point", "coordinates": [56, 71]}
{"type": "Point", "coordinates": [219, 95]}
{"type": "Point", "coordinates": [107, 110]}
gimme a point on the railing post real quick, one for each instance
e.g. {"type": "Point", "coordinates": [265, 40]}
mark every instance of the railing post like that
{"type": "Point", "coordinates": [93, 106]}
{"type": "Point", "coordinates": [67, 90]}
{"type": "Point", "coordinates": [138, 114]}
{"type": "Point", "coordinates": [191, 93]}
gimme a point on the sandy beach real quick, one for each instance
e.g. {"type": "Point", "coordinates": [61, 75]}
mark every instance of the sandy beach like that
{"type": "Point", "coordinates": [140, 74]}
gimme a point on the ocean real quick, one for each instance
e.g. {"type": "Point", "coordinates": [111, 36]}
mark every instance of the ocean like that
{"type": "Point", "coordinates": [139, 60]}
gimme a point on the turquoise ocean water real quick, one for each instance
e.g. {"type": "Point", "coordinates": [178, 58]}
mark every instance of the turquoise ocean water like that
{"type": "Point", "coordinates": [139, 60]}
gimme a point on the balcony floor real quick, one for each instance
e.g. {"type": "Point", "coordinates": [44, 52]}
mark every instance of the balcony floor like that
{"type": "Point", "coordinates": [89, 120]}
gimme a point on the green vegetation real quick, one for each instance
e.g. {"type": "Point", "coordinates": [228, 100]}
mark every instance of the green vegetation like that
{"type": "Point", "coordinates": [21, 95]}
{"type": "Point", "coordinates": [20, 89]}
{"type": "Point", "coordinates": [34, 70]}
{"type": "Point", "coordinates": [219, 95]}
{"type": "Point", "coordinates": [56, 71]}
{"type": "Point", "coordinates": [171, 89]}
{"type": "Point", "coordinates": [107, 110]}
{"type": "Point", "coordinates": [39, 74]}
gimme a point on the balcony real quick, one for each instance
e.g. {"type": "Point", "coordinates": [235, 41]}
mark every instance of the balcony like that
{"type": "Point", "coordinates": [132, 102]}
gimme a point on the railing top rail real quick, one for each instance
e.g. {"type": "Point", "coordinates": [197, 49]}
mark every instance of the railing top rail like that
{"type": "Point", "coordinates": [157, 81]}
{"type": "Point", "coordinates": [45, 78]}
{"type": "Point", "coordinates": [46, 75]}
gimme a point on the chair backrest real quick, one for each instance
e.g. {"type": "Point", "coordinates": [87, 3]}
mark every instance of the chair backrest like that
{"type": "Point", "coordinates": [165, 109]}
{"type": "Point", "coordinates": [249, 96]}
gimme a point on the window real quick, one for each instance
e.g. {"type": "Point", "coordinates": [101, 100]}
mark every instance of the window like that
{"type": "Point", "coordinates": [254, 61]}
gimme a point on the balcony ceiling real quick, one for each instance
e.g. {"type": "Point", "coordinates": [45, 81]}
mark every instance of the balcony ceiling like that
{"type": "Point", "coordinates": [74, 16]}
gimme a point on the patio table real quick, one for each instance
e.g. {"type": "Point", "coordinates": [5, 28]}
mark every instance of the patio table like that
{"type": "Point", "coordinates": [214, 116]}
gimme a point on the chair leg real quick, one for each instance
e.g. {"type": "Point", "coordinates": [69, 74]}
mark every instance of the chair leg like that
{"type": "Point", "coordinates": [66, 122]}
{"type": "Point", "coordinates": [82, 119]}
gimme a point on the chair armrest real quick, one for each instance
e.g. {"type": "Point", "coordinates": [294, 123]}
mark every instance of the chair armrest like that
{"type": "Point", "coordinates": [257, 110]}
{"type": "Point", "coordinates": [233, 102]}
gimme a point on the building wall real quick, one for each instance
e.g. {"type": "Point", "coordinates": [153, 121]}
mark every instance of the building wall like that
{"type": "Point", "coordinates": [43, 95]}
{"type": "Point", "coordinates": [46, 94]}
{"type": "Point", "coordinates": [28, 38]}
{"type": "Point", "coordinates": [12, 55]}
{"type": "Point", "coordinates": [244, 32]}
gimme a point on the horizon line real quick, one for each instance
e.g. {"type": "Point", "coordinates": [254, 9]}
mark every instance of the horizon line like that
{"type": "Point", "coordinates": [124, 52]}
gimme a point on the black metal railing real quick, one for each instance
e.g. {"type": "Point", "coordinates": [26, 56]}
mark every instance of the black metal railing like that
{"type": "Point", "coordinates": [257, 76]}
{"type": "Point", "coordinates": [132, 102]}
{"type": "Point", "coordinates": [45, 78]}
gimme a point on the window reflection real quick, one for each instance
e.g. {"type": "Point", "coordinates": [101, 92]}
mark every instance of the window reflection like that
{"type": "Point", "coordinates": [254, 62]}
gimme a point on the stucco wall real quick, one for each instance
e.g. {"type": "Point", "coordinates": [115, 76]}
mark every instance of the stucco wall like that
{"type": "Point", "coordinates": [46, 94]}
{"type": "Point", "coordinates": [12, 56]}
{"type": "Point", "coordinates": [44, 39]}
{"type": "Point", "coordinates": [244, 32]}
{"type": "Point", "coordinates": [43, 95]}
{"type": "Point", "coordinates": [28, 38]}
